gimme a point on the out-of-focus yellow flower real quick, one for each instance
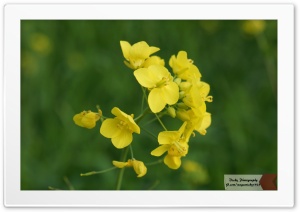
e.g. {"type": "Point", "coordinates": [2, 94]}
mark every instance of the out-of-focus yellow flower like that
{"type": "Point", "coordinates": [194, 172]}
{"type": "Point", "coordinates": [138, 166]}
{"type": "Point", "coordinates": [254, 27]}
{"type": "Point", "coordinates": [160, 83]}
{"type": "Point", "coordinates": [175, 144]}
{"type": "Point", "coordinates": [120, 128]}
{"type": "Point", "coordinates": [136, 54]}
{"type": "Point", "coordinates": [87, 119]}
{"type": "Point", "coordinates": [184, 67]}
{"type": "Point", "coordinates": [40, 43]}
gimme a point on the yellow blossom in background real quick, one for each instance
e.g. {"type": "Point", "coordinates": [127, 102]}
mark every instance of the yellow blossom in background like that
{"type": "Point", "coordinates": [194, 172]}
{"type": "Point", "coordinates": [254, 27]}
{"type": "Point", "coordinates": [184, 67]}
{"type": "Point", "coordinates": [120, 128]}
{"type": "Point", "coordinates": [137, 53]}
{"type": "Point", "coordinates": [175, 144]}
{"type": "Point", "coordinates": [87, 119]}
{"type": "Point", "coordinates": [159, 81]}
{"type": "Point", "coordinates": [138, 166]}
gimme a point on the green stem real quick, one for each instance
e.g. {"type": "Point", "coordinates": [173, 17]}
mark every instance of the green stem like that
{"type": "Point", "coordinates": [143, 100]}
{"type": "Point", "coordinates": [160, 122]}
{"type": "Point", "coordinates": [121, 173]}
{"type": "Point", "coordinates": [140, 117]}
{"type": "Point", "coordinates": [150, 133]}
{"type": "Point", "coordinates": [131, 151]}
{"type": "Point", "coordinates": [97, 172]}
{"type": "Point", "coordinates": [154, 163]}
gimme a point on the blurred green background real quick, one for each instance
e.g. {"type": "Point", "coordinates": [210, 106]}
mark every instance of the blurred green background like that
{"type": "Point", "coordinates": [68, 66]}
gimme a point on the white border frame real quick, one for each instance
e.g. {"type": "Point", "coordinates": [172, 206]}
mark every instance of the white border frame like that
{"type": "Point", "coordinates": [14, 197]}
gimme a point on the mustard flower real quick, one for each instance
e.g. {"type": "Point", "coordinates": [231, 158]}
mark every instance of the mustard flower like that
{"type": "Point", "coordinates": [136, 54]}
{"type": "Point", "coordinates": [138, 166]}
{"type": "Point", "coordinates": [120, 128]}
{"type": "Point", "coordinates": [87, 119]}
{"type": "Point", "coordinates": [196, 94]}
{"type": "Point", "coordinates": [159, 81]}
{"type": "Point", "coordinates": [197, 119]}
{"type": "Point", "coordinates": [175, 144]}
{"type": "Point", "coordinates": [184, 67]}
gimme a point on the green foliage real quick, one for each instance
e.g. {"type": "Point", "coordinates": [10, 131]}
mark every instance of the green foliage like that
{"type": "Point", "coordinates": [71, 66]}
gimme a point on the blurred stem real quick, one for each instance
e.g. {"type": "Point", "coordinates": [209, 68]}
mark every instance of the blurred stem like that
{"type": "Point", "coordinates": [52, 188]}
{"type": "Point", "coordinates": [154, 185]}
{"type": "Point", "coordinates": [160, 122]}
{"type": "Point", "coordinates": [69, 184]}
{"type": "Point", "coordinates": [271, 69]}
{"type": "Point", "coordinates": [154, 163]}
{"type": "Point", "coordinates": [143, 99]}
{"type": "Point", "coordinates": [150, 133]}
{"type": "Point", "coordinates": [97, 172]}
{"type": "Point", "coordinates": [140, 117]}
{"type": "Point", "coordinates": [121, 173]}
{"type": "Point", "coordinates": [131, 151]}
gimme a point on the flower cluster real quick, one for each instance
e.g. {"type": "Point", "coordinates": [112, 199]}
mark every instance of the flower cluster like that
{"type": "Point", "coordinates": [180, 93]}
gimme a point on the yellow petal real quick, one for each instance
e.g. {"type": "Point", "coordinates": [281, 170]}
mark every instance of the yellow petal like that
{"type": "Point", "coordinates": [204, 124]}
{"type": "Point", "coordinates": [159, 72]}
{"type": "Point", "coordinates": [89, 120]}
{"type": "Point", "coordinates": [123, 139]}
{"type": "Point", "coordinates": [156, 100]}
{"type": "Point", "coordinates": [160, 150]}
{"type": "Point", "coordinates": [119, 164]}
{"type": "Point", "coordinates": [170, 93]}
{"type": "Point", "coordinates": [109, 128]}
{"type": "Point", "coordinates": [125, 46]}
{"type": "Point", "coordinates": [145, 77]}
{"type": "Point", "coordinates": [153, 49]}
{"type": "Point", "coordinates": [127, 119]}
{"type": "Point", "coordinates": [153, 60]}
{"type": "Point", "coordinates": [139, 168]}
{"type": "Point", "coordinates": [171, 61]}
{"type": "Point", "coordinates": [77, 119]}
{"type": "Point", "coordinates": [168, 137]}
{"type": "Point", "coordinates": [172, 162]}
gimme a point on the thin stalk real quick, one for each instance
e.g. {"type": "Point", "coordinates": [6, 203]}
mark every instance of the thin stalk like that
{"type": "Point", "coordinates": [121, 173]}
{"type": "Point", "coordinates": [160, 122]}
{"type": "Point", "coordinates": [97, 172]}
{"type": "Point", "coordinates": [150, 133]}
{"type": "Point", "coordinates": [131, 151]}
{"type": "Point", "coordinates": [140, 117]}
{"type": "Point", "coordinates": [154, 163]}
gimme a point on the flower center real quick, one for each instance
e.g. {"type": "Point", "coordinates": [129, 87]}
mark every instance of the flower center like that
{"type": "Point", "coordinates": [163, 82]}
{"type": "Point", "coordinates": [178, 149]}
{"type": "Point", "coordinates": [123, 125]}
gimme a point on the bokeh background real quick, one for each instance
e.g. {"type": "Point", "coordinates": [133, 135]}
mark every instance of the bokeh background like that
{"type": "Point", "coordinates": [68, 66]}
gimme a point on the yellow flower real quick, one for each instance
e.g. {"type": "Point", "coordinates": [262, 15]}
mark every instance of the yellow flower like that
{"type": "Point", "coordinates": [138, 166]}
{"type": "Point", "coordinates": [136, 54]}
{"type": "Point", "coordinates": [197, 94]}
{"type": "Point", "coordinates": [120, 128]}
{"type": "Point", "coordinates": [87, 119]}
{"type": "Point", "coordinates": [183, 67]}
{"type": "Point", "coordinates": [254, 27]}
{"type": "Point", "coordinates": [153, 60]}
{"type": "Point", "coordinates": [197, 119]}
{"type": "Point", "coordinates": [160, 83]}
{"type": "Point", "coordinates": [175, 144]}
